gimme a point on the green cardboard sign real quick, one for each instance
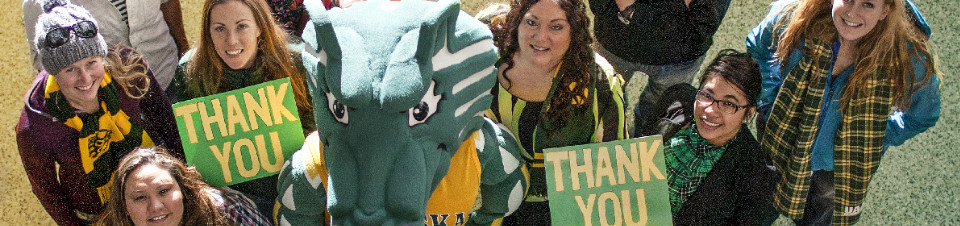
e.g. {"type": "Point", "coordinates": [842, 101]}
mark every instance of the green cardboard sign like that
{"type": "Point", "coordinates": [613, 183]}
{"type": "Point", "coordinates": [242, 134]}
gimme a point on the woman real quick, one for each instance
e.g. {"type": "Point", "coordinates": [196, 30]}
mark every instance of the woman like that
{"type": "Point", "coordinates": [866, 65]}
{"type": "Point", "coordinates": [552, 91]}
{"type": "Point", "coordinates": [90, 106]}
{"type": "Point", "coordinates": [153, 188]}
{"type": "Point", "coordinates": [241, 46]}
{"type": "Point", "coordinates": [716, 172]}
{"type": "Point", "coordinates": [154, 28]}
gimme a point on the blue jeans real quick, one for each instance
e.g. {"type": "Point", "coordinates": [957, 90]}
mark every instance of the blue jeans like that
{"type": "Point", "coordinates": [659, 78]}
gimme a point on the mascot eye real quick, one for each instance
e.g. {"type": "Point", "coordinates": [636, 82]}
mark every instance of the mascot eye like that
{"type": "Point", "coordinates": [426, 108]}
{"type": "Point", "coordinates": [338, 110]}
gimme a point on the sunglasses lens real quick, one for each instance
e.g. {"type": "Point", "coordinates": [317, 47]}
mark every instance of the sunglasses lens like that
{"type": "Point", "coordinates": [57, 37]}
{"type": "Point", "coordinates": [85, 29]}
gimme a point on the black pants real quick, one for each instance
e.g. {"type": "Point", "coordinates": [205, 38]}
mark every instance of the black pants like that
{"type": "Point", "coordinates": [819, 208]}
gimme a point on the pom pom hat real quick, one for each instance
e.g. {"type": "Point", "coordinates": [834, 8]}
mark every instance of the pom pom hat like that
{"type": "Point", "coordinates": [66, 33]}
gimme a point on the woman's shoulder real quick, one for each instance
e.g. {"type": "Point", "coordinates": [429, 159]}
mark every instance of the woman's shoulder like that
{"type": "Point", "coordinates": [239, 209]}
{"type": "Point", "coordinates": [745, 139]}
{"type": "Point", "coordinates": [609, 83]}
{"type": "Point", "coordinates": [603, 72]}
{"type": "Point", "coordinates": [35, 118]}
{"type": "Point", "coordinates": [779, 10]}
{"type": "Point", "coordinates": [228, 196]}
{"type": "Point", "coordinates": [745, 146]}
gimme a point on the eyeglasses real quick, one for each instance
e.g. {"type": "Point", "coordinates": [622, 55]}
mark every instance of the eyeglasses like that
{"type": "Point", "coordinates": [724, 106]}
{"type": "Point", "coordinates": [59, 36]}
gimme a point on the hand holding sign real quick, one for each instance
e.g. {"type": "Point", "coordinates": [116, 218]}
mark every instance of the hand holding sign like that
{"type": "Point", "coordinates": [247, 133]}
{"type": "Point", "coordinates": [612, 183]}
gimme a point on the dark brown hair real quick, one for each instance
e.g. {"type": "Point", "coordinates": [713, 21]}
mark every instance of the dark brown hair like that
{"type": "Point", "coordinates": [576, 62]}
{"type": "Point", "coordinates": [198, 209]}
{"type": "Point", "coordinates": [737, 68]}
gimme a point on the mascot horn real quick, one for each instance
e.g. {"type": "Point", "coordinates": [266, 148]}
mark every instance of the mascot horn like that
{"type": "Point", "coordinates": [399, 90]}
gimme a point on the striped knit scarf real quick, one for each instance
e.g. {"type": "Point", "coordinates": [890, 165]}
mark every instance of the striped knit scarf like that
{"type": "Point", "coordinates": [105, 136]}
{"type": "Point", "coordinates": [792, 128]}
{"type": "Point", "coordinates": [689, 159]}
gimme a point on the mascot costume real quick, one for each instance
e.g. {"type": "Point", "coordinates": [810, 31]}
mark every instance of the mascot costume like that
{"type": "Point", "coordinates": [399, 90]}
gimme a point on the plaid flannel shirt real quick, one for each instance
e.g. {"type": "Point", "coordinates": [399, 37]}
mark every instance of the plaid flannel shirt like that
{"type": "Point", "coordinates": [239, 209]}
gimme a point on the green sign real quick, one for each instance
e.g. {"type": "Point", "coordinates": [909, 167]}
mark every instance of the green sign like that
{"type": "Point", "coordinates": [613, 183]}
{"type": "Point", "coordinates": [242, 134]}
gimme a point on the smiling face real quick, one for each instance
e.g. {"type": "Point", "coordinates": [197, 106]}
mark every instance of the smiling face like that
{"type": "Point", "coordinates": [543, 35]}
{"type": "Point", "coordinates": [80, 83]}
{"type": "Point", "coordinates": [855, 18]}
{"type": "Point", "coordinates": [714, 125]}
{"type": "Point", "coordinates": [152, 197]}
{"type": "Point", "coordinates": [234, 32]}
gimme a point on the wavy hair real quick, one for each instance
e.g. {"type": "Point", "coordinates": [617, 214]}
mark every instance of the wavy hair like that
{"type": "Point", "coordinates": [204, 73]}
{"type": "Point", "coordinates": [198, 209]}
{"type": "Point", "coordinates": [130, 72]}
{"type": "Point", "coordinates": [890, 47]}
{"type": "Point", "coordinates": [575, 64]}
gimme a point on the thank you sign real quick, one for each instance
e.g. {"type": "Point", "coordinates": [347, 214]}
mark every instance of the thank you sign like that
{"type": "Point", "coordinates": [614, 183]}
{"type": "Point", "coordinates": [242, 134]}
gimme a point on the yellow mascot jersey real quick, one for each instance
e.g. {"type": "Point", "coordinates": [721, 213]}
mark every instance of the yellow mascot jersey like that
{"type": "Point", "coordinates": [448, 204]}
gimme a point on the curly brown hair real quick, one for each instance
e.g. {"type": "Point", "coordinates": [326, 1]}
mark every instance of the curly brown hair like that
{"type": "Point", "coordinates": [197, 205]}
{"type": "Point", "coordinates": [571, 94]}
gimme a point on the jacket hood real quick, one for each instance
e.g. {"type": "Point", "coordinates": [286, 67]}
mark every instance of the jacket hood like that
{"type": "Point", "coordinates": [918, 19]}
{"type": "Point", "coordinates": [34, 101]}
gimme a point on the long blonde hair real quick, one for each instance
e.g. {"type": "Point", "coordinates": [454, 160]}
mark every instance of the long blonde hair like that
{"type": "Point", "coordinates": [204, 73]}
{"type": "Point", "coordinates": [890, 47]}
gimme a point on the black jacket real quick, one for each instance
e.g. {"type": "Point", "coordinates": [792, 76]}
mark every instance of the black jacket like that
{"type": "Point", "coordinates": [660, 32]}
{"type": "Point", "coordinates": [739, 189]}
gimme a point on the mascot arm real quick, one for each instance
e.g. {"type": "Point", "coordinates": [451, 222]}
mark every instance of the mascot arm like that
{"type": "Point", "coordinates": [302, 196]}
{"type": "Point", "coordinates": [503, 182]}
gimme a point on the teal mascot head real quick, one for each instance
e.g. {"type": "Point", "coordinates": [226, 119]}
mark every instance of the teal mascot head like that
{"type": "Point", "coordinates": [398, 87]}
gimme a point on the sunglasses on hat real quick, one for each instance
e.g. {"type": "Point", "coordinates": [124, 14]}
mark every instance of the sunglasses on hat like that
{"type": "Point", "coordinates": [59, 36]}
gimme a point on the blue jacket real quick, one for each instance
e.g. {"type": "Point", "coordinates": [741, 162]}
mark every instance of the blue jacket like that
{"type": "Point", "coordinates": [902, 125]}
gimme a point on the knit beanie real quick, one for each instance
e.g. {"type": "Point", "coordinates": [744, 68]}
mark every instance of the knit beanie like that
{"type": "Point", "coordinates": [62, 14]}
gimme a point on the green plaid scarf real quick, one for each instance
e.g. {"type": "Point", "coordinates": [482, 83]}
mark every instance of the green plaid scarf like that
{"type": "Point", "coordinates": [689, 159]}
{"type": "Point", "coordinates": [792, 128]}
{"type": "Point", "coordinates": [104, 136]}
